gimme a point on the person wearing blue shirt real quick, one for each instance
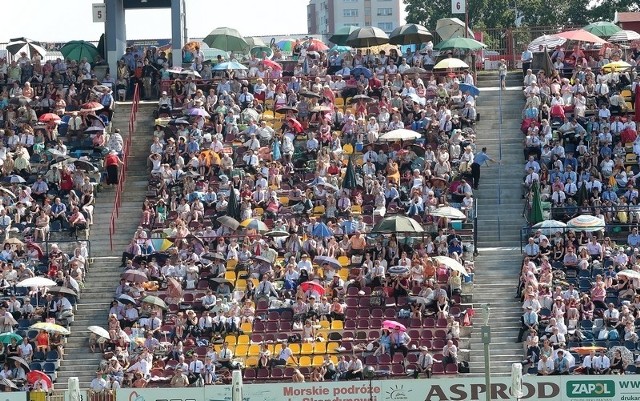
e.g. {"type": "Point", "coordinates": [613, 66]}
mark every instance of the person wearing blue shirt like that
{"type": "Point", "coordinates": [391, 194]}
{"type": "Point", "coordinates": [526, 58]}
{"type": "Point", "coordinates": [610, 195]}
{"type": "Point", "coordinates": [633, 239]}
{"type": "Point", "coordinates": [478, 160]}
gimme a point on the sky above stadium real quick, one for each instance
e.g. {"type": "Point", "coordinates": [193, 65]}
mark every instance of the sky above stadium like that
{"type": "Point", "coordinates": [47, 21]}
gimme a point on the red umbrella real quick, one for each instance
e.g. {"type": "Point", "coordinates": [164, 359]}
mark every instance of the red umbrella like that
{"type": "Point", "coordinates": [174, 288]}
{"type": "Point", "coordinates": [49, 117]}
{"type": "Point", "coordinates": [315, 45]}
{"type": "Point", "coordinates": [36, 375]}
{"type": "Point", "coordinates": [295, 124]}
{"type": "Point", "coordinates": [581, 35]}
{"type": "Point", "coordinates": [272, 64]}
{"type": "Point", "coordinates": [392, 325]}
{"type": "Point", "coordinates": [312, 286]}
{"type": "Point", "coordinates": [91, 106]}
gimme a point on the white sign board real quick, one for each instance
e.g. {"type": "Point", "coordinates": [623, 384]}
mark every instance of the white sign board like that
{"type": "Point", "coordinates": [99, 12]}
{"type": "Point", "coordinates": [458, 6]}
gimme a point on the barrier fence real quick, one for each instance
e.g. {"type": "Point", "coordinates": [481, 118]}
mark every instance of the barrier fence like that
{"type": "Point", "coordinates": [122, 174]}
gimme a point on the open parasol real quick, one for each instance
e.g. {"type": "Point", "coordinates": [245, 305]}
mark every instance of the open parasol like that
{"type": "Point", "coordinates": [312, 286]}
{"type": "Point", "coordinates": [451, 264]}
{"type": "Point", "coordinates": [135, 276]}
{"type": "Point", "coordinates": [99, 331]}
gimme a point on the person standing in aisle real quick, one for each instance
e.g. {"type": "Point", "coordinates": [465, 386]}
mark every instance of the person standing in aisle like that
{"type": "Point", "coordinates": [479, 160]}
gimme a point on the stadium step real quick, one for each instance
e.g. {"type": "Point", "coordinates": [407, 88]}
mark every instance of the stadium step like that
{"type": "Point", "coordinates": [103, 275]}
{"type": "Point", "coordinates": [500, 208]}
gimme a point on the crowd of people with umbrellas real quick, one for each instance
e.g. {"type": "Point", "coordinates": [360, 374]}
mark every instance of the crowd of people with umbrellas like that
{"type": "Point", "coordinates": [580, 276]}
{"type": "Point", "coordinates": [54, 119]}
{"type": "Point", "coordinates": [299, 209]}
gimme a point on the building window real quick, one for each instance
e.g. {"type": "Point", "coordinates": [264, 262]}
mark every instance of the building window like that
{"type": "Point", "coordinates": [350, 12]}
{"type": "Point", "coordinates": [386, 26]}
{"type": "Point", "coordinates": [354, 24]}
{"type": "Point", "coordinates": [350, 1]}
{"type": "Point", "coordinates": [385, 11]}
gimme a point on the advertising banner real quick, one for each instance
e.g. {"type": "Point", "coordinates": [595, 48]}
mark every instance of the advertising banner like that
{"type": "Point", "coordinates": [547, 388]}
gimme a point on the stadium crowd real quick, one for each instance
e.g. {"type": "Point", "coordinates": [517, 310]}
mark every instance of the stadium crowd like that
{"type": "Point", "coordinates": [579, 284]}
{"type": "Point", "coordinates": [55, 132]}
{"type": "Point", "coordinates": [263, 245]}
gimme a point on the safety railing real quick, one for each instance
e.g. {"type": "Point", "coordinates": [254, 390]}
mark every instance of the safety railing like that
{"type": "Point", "coordinates": [122, 174]}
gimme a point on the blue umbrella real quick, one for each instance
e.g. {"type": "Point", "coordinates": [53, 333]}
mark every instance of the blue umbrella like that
{"type": "Point", "coordinates": [322, 231]}
{"type": "Point", "coordinates": [473, 90]}
{"type": "Point", "coordinates": [229, 65]}
{"type": "Point", "coordinates": [356, 72]}
{"type": "Point", "coordinates": [340, 49]}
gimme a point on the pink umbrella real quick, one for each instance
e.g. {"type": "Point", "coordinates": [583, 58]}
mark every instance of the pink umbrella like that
{"type": "Point", "coordinates": [581, 35]}
{"type": "Point", "coordinates": [392, 325]}
{"type": "Point", "coordinates": [272, 64]}
{"type": "Point", "coordinates": [312, 286]}
{"type": "Point", "coordinates": [295, 124]}
{"type": "Point", "coordinates": [316, 45]}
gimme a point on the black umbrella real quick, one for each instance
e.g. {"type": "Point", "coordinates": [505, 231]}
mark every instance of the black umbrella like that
{"type": "Point", "coordinates": [24, 363]}
{"type": "Point", "coordinates": [84, 165]}
{"type": "Point", "coordinates": [367, 36]}
{"type": "Point", "coordinates": [62, 290]}
{"type": "Point", "coordinates": [285, 109]}
{"type": "Point", "coordinates": [410, 34]}
{"type": "Point", "coordinates": [342, 34]}
{"type": "Point", "coordinates": [310, 94]}
{"type": "Point", "coordinates": [95, 118]}
{"type": "Point", "coordinates": [233, 207]}
{"type": "Point", "coordinates": [125, 299]}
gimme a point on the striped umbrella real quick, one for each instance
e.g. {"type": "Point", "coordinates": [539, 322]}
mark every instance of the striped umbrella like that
{"type": "Point", "coordinates": [254, 224]}
{"type": "Point", "coordinates": [161, 244]}
{"type": "Point", "coordinates": [586, 222]}
{"type": "Point", "coordinates": [548, 41]}
{"type": "Point", "coordinates": [624, 36]}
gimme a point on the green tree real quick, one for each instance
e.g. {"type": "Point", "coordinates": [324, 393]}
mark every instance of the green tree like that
{"type": "Point", "coordinates": [485, 13]}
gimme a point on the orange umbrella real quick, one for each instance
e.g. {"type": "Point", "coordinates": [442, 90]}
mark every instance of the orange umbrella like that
{"type": "Point", "coordinates": [587, 350]}
{"type": "Point", "coordinates": [581, 35]}
{"type": "Point", "coordinates": [315, 45]}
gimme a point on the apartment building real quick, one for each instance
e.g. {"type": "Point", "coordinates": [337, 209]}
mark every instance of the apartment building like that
{"type": "Point", "coordinates": [326, 16]}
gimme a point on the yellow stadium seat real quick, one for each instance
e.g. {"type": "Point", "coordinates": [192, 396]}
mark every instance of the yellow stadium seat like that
{"type": "Point", "coordinates": [629, 106]}
{"type": "Point", "coordinates": [318, 210]}
{"type": "Point", "coordinates": [626, 94]}
{"type": "Point", "coordinates": [305, 361]}
{"type": "Point", "coordinates": [339, 102]}
{"type": "Point", "coordinates": [306, 349]}
{"type": "Point", "coordinates": [231, 264]}
{"type": "Point", "coordinates": [230, 275]}
{"type": "Point", "coordinates": [334, 359]}
{"type": "Point", "coordinates": [347, 149]}
{"type": "Point", "coordinates": [275, 348]}
{"type": "Point", "coordinates": [320, 348]}
{"type": "Point", "coordinates": [324, 324]}
{"type": "Point", "coordinates": [251, 361]}
{"type": "Point", "coordinates": [240, 285]}
{"type": "Point", "coordinates": [254, 350]}
{"type": "Point", "coordinates": [246, 327]}
{"type": "Point", "coordinates": [268, 104]}
{"type": "Point", "coordinates": [231, 339]}
{"type": "Point", "coordinates": [243, 339]}
{"type": "Point", "coordinates": [344, 261]}
{"type": "Point", "coordinates": [258, 211]}
{"type": "Point", "coordinates": [343, 273]}
{"type": "Point", "coordinates": [255, 282]}
{"type": "Point", "coordinates": [631, 158]}
{"type": "Point", "coordinates": [359, 162]}
{"type": "Point", "coordinates": [337, 325]}
{"type": "Point", "coordinates": [356, 209]}
{"type": "Point", "coordinates": [241, 350]}
{"type": "Point", "coordinates": [295, 348]}
{"type": "Point", "coordinates": [284, 200]}
{"type": "Point", "coordinates": [317, 361]}
{"type": "Point", "coordinates": [332, 347]}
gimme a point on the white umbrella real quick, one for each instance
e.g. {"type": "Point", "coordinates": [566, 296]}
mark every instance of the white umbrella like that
{"type": "Point", "coordinates": [449, 28]}
{"type": "Point", "coordinates": [420, 100]}
{"type": "Point", "coordinates": [99, 331]}
{"type": "Point", "coordinates": [399, 135]}
{"type": "Point", "coordinates": [624, 36]}
{"type": "Point", "coordinates": [550, 227]}
{"type": "Point", "coordinates": [448, 212]}
{"type": "Point", "coordinates": [190, 73]}
{"type": "Point", "coordinates": [451, 264]}
{"type": "Point", "coordinates": [36, 282]}
{"type": "Point", "coordinates": [451, 62]}
{"type": "Point", "coordinates": [630, 273]}
{"type": "Point", "coordinates": [548, 41]}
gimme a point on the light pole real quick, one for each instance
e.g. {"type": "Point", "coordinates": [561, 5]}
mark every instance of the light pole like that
{"type": "Point", "coordinates": [369, 371]}
{"type": "Point", "coordinates": [485, 330]}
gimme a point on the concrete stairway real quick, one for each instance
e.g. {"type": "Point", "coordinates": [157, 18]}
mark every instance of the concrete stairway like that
{"type": "Point", "coordinates": [500, 209]}
{"type": "Point", "coordinates": [103, 275]}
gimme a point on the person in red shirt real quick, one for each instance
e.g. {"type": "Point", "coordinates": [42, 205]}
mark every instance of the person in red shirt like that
{"type": "Point", "coordinates": [112, 161]}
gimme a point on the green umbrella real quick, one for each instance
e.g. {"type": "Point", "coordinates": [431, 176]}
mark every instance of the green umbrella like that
{"type": "Point", "coordinates": [460, 44]}
{"type": "Point", "coordinates": [410, 34]}
{"type": "Point", "coordinates": [6, 338]}
{"type": "Point", "coordinates": [397, 224]}
{"type": "Point", "coordinates": [367, 36]}
{"type": "Point", "coordinates": [233, 207]}
{"type": "Point", "coordinates": [227, 39]}
{"type": "Point", "coordinates": [79, 49]}
{"type": "Point", "coordinates": [254, 41]}
{"type": "Point", "coordinates": [341, 35]}
{"type": "Point", "coordinates": [258, 50]}
{"type": "Point", "coordinates": [535, 215]}
{"type": "Point", "coordinates": [602, 29]}
{"type": "Point", "coordinates": [349, 181]}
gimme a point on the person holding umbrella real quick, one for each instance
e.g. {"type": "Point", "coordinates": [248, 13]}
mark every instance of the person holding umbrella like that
{"type": "Point", "coordinates": [399, 342]}
{"type": "Point", "coordinates": [481, 158]}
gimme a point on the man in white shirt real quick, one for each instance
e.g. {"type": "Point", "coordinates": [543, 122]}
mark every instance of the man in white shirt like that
{"type": "Point", "coordinates": [425, 363]}
{"type": "Point", "coordinates": [545, 366]}
{"type": "Point", "coordinates": [195, 369]}
{"type": "Point", "coordinates": [225, 356]}
{"type": "Point", "coordinates": [98, 384]}
{"type": "Point", "coordinates": [355, 369]}
{"type": "Point", "coordinates": [611, 315]}
{"type": "Point", "coordinates": [283, 356]}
